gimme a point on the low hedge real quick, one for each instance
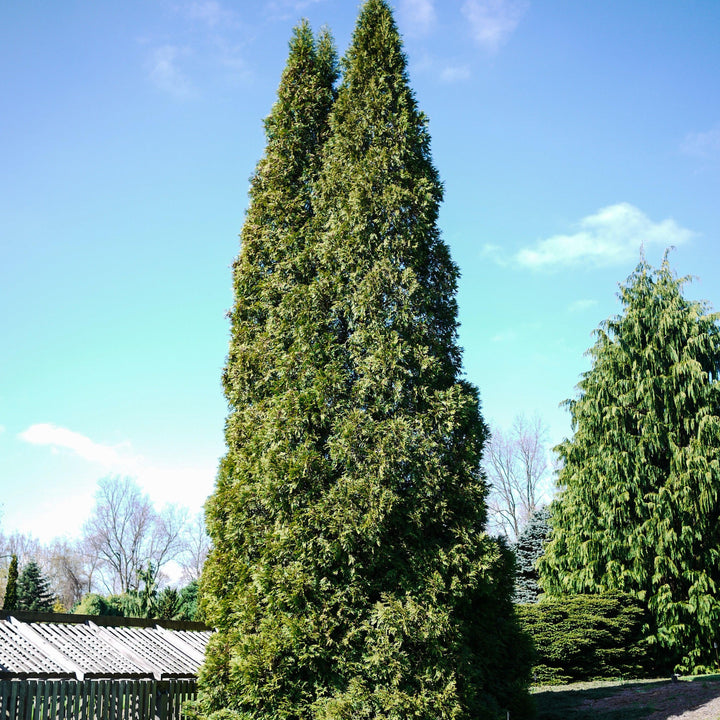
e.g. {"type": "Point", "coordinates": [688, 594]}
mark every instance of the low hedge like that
{"type": "Point", "coordinates": [587, 637]}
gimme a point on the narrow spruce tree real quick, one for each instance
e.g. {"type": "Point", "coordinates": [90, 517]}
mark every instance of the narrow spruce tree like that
{"type": "Point", "coordinates": [529, 548]}
{"type": "Point", "coordinates": [350, 576]}
{"type": "Point", "coordinates": [10, 600]}
{"type": "Point", "coordinates": [640, 505]}
{"type": "Point", "coordinates": [33, 590]}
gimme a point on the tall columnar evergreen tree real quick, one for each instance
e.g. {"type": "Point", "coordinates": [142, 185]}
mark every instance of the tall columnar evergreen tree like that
{"type": "Point", "coordinates": [529, 548]}
{"type": "Point", "coordinates": [33, 590]}
{"type": "Point", "coordinates": [10, 600]}
{"type": "Point", "coordinates": [258, 576]}
{"type": "Point", "coordinates": [350, 577]}
{"type": "Point", "coordinates": [640, 508]}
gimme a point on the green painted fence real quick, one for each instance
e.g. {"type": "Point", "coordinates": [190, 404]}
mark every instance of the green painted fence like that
{"type": "Point", "coordinates": [96, 699]}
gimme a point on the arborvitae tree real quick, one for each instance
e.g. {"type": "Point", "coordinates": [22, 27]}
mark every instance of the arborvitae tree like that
{"type": "Point", "coordinates": [10, 601]}
{"type": "Point", "coordinates": [349, 575]}
{"type": "Point", "coordinates": [528, 550]}
{"type": "Point", "coordinates": [257, 573]}
{"type": "Point", "coordinates": [33, 590]}
{"type": "Point", "coordinates": [640, 508]}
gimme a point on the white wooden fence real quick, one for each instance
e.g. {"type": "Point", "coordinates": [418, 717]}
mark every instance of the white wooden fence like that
{"type": "Point", "coordinates": [55, 667]}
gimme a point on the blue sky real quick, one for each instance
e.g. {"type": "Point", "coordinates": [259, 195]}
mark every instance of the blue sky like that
{"type": "Point", "coordinates": [566, 134]}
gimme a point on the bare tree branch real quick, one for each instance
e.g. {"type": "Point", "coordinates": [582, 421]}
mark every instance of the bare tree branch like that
{"type": "Point", "coordinates": [127, 535]}
{"type": "Point", "coordinates": [517, 470]}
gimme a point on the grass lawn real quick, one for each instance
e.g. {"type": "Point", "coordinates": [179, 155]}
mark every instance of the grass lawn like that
{"type": "Point", "coordinates": [630, 699]}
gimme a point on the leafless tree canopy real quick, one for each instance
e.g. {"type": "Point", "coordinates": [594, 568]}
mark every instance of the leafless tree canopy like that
{"type": "Point", "coordinates": [126, 533]}
{"type": "Point", "coordinates": [196, 548]}
{"type": "Point", "coordinates": [517, 470]}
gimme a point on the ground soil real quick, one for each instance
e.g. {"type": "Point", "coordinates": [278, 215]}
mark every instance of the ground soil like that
{"type": "Point", "coordinates": [681, 700]}
{"type": "Point", "coordinates": [684, 699]}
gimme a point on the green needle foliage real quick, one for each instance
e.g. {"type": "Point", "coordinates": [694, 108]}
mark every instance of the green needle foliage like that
{"type": "Point", "coordinates": [10, 600]}
{"type": "Point", "coordinates": [33, 590]}
{"type": "Point", "coordinates": [528, 549]}
{"type": "Point", "coordinates": [641, 475]}
{"type": "Point", "coordinates": [349, 576]}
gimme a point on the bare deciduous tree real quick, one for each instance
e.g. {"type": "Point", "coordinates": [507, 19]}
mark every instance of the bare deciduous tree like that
{"type": "Point", "coordinates": [197, 546]}
{"type": "Point", "coordinates": [516, 466]}
{"type": "Point", "coordinates": [69, 571]}
{"type": "Point", "coordinates": [127, 534]}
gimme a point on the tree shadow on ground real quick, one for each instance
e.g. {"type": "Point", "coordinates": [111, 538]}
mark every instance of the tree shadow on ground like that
{"type": "Point", "coordinates": [698, 697]}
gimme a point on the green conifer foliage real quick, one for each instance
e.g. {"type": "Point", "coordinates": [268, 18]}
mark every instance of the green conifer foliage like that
{"type": "Point", "coordinates": [10, 600]}
{"type": "Point", "coordinates": [641, 478]}
{"type": "Point", "coordinates": [33, 590]}
{"type": "Point", "coordinates": [349, 576]}
{"type": "Point", "coordinates": [528, 550]}
{"type": "Point", "coordinates": [259, 574]}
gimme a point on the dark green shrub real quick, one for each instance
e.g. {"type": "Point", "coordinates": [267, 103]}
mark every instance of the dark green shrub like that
{"type": "Point", "coordinates": [588, 637]}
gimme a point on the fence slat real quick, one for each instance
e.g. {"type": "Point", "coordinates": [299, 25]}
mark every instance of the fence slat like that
{"type": "Point", "coordinates": [95, 699]}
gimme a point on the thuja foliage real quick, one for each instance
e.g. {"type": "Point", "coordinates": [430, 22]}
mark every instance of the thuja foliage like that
{"type": "Point", "coordinates": [10, 600]}
{"type": "Point", "coordinates": [641, 474]}
{"type": "Point", "coordinates": [349, 576]}
{"type": "Point", "coordinates": [587, 637]}
{"type": "Point", "coordinates": [529, 548]}
{"type": "Point", "coordinates": [33, 590]}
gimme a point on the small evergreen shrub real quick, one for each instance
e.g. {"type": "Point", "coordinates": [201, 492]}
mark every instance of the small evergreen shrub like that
{"type": "Point", "coordinates": [587, 637]}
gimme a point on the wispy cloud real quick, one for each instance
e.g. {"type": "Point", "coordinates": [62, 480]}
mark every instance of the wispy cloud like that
{"type": "Point", "coordinates": [581, 305]}
{"type": "Point", "coordinates": [612, 236]}
{"type": "Point", "coordinates": [494, 253]}
{"type": "Point", "coordinates": [417, 16]}
{"type": "Point", "coordinates": [285, 9]}
{"type": "Point", "coordinates": [210, 12]}
{"type": "Point", "coordinates": [187, 484]}
{"type": "Point", "coordinates": [702, 144]}
{"type": "Point", "coordinates": [455, 73]}
{"type": "Point", "coordinates": [493, 21]}
{"type": "Point", "coordinates": [504, 336]}
{"type": "Point", "coordinates": [166, 73]}
{"type": "Point", "coordinates": [59, 438]}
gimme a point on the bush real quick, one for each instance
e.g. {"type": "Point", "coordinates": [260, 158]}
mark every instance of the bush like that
{"type": "Point", "coordinates": [588, 637]}
{"type": "Point", "coordinates": [94, 604]}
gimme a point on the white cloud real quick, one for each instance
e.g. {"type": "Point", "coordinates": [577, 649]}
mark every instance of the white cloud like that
{"type": "Point", "coordinates": [581, 305]}
{"type": "Point", "coordinates": [493, 21]}
{"type": "Point", "coordinates": [82, 446]}
{"type": "Point", "coordinates": [418, 16]}
{"type": "Point", "coordinates": [288, 9]}
{"type": "Point", "coordinates": [210, 12]}
{"type": "Point", "coordinates": [494, 253]}
{"type": "Point", "coordinates": [455, 73]}
{"type": "Point", "coordinates": [504, 336]}
{"type": "Point", "coordinates": [612, 236]}
{"type": "Point", "coordinates": [187, 484]}
{"type": "Point", "coordinates": [166, 74]}
{"type": "Point", "coordinates": [702, 144]}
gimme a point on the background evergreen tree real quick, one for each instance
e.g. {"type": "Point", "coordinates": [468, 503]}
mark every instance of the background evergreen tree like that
{"type": "Point", "coordinates": [10, 601]}
{"type": "Point", "coordinates": [529, 548]}
{"type": "Point", "coordinates": [33, 590]}
{"type": "Point", "coordinates": [640, 503]}
{"type": "Point", "coordinates": [188, 602]}
{"type": "Point", "coordinates": [350, 576]}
